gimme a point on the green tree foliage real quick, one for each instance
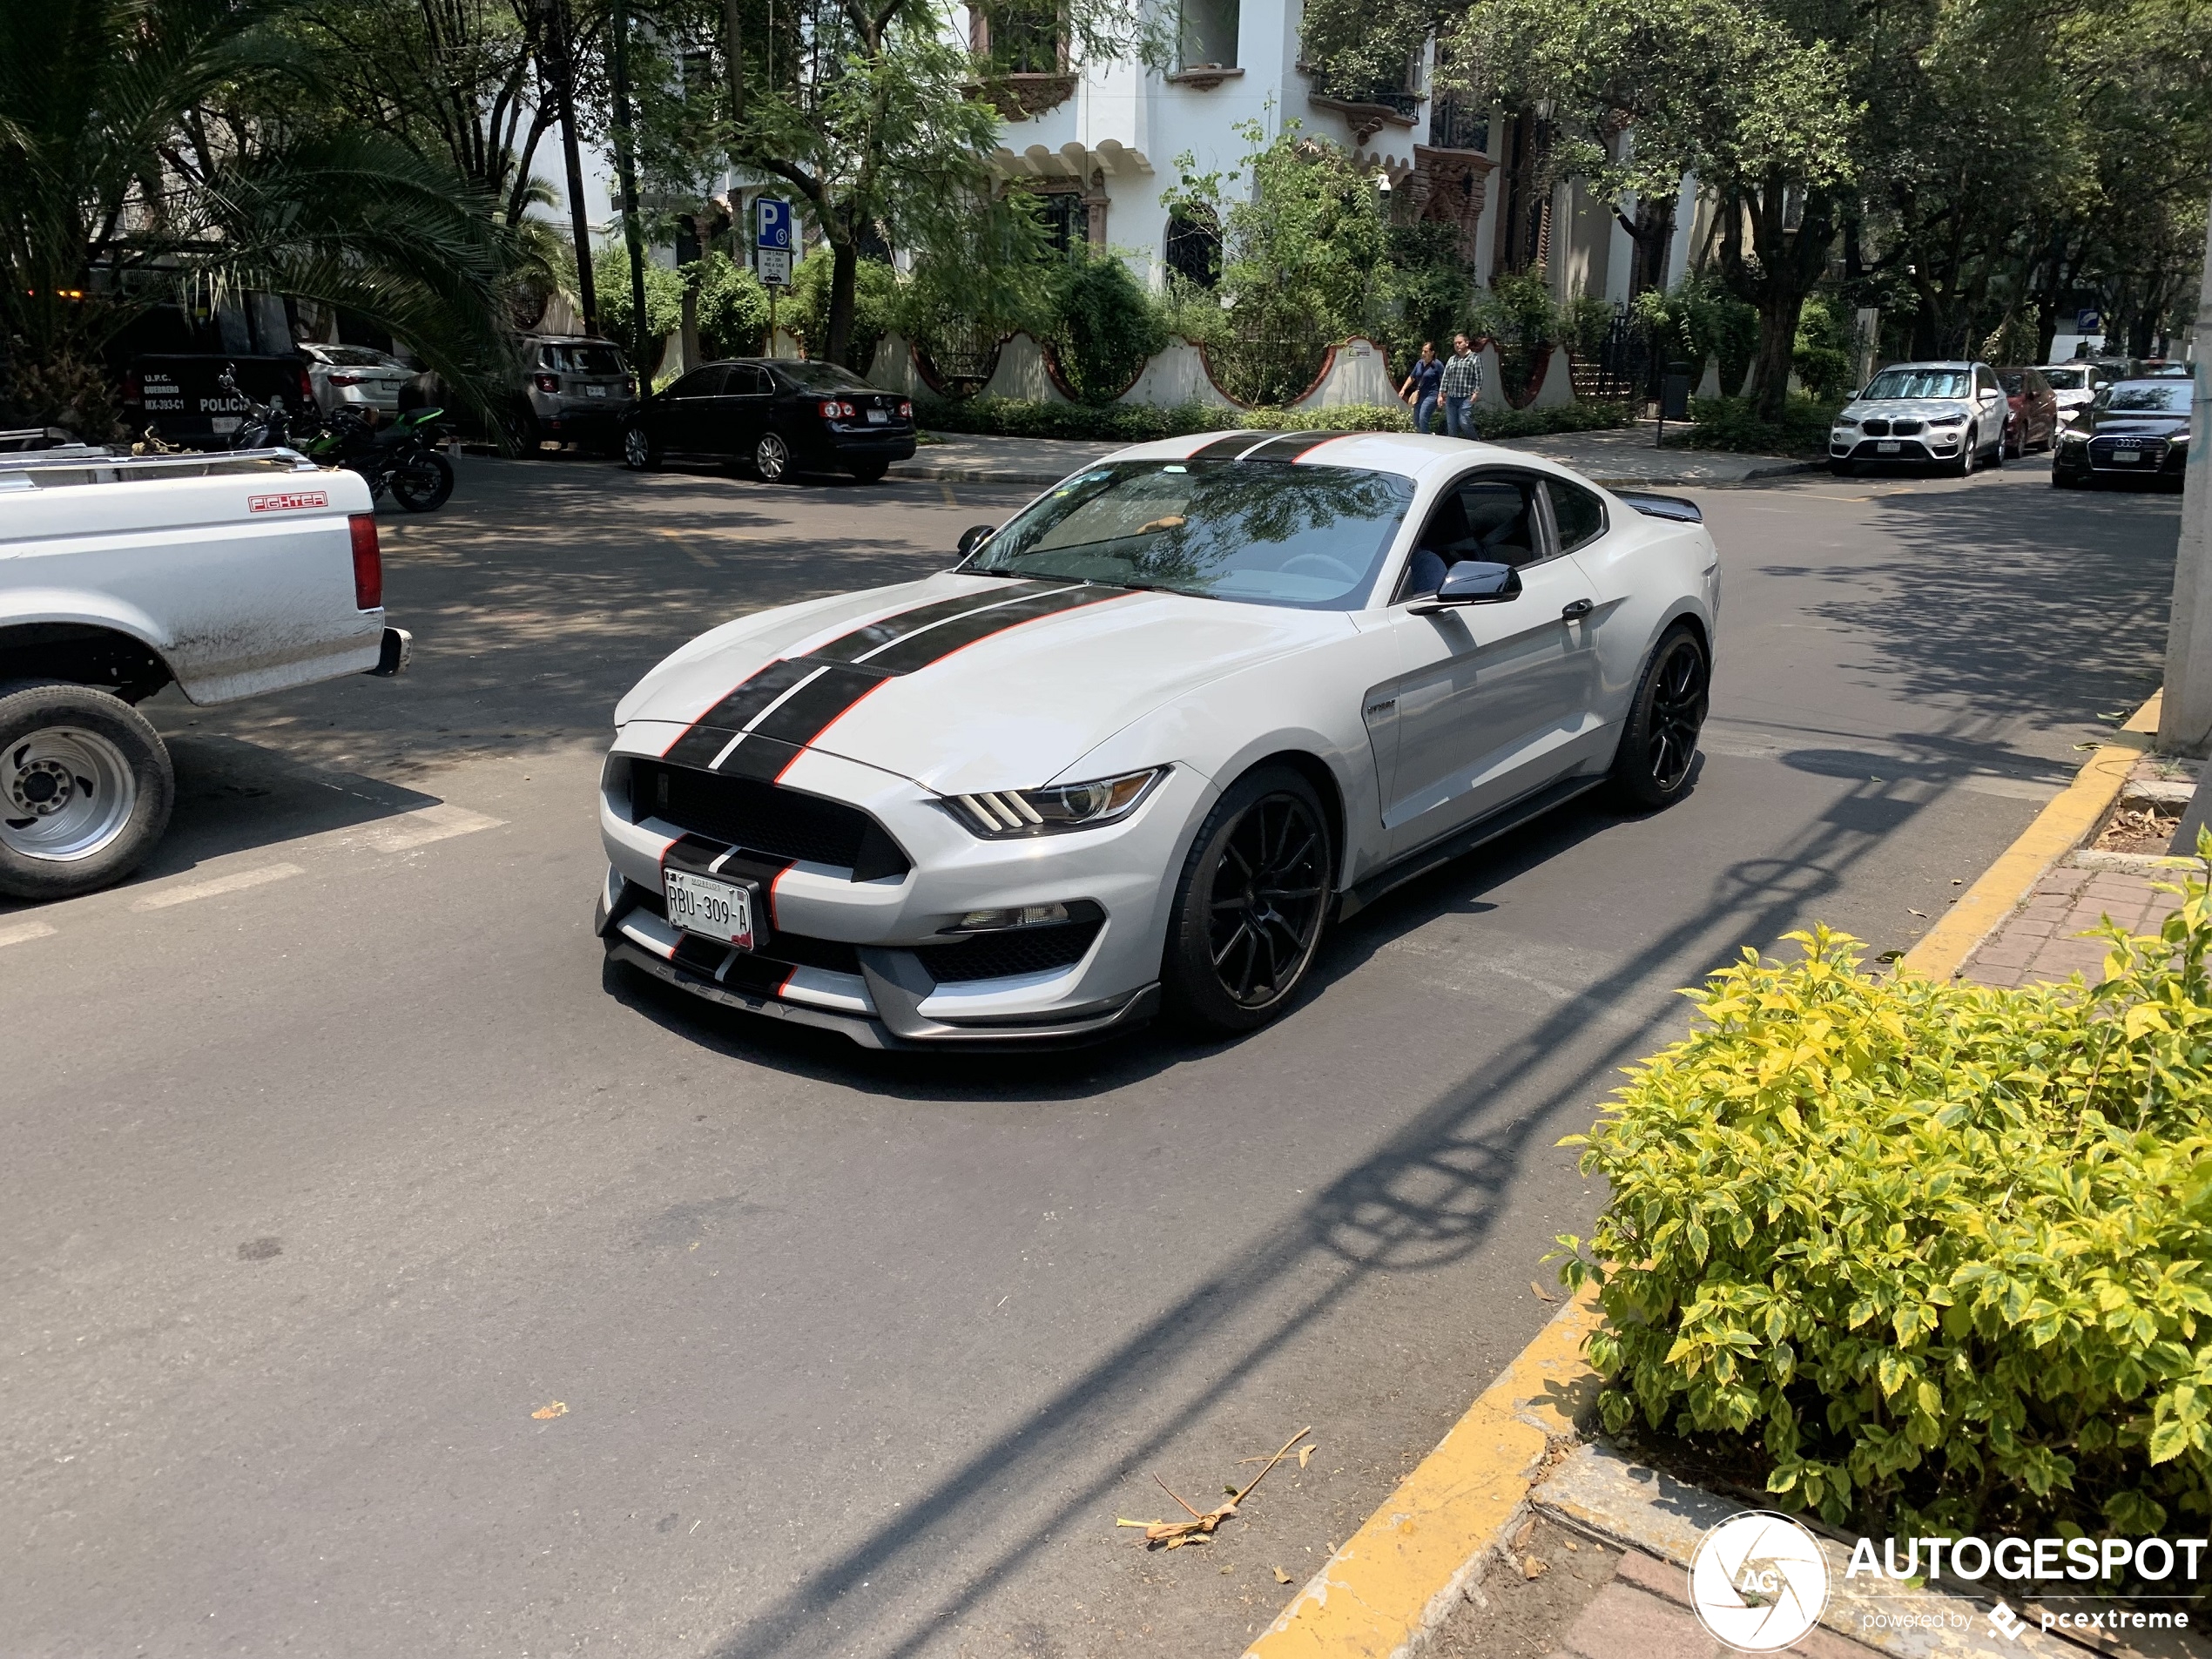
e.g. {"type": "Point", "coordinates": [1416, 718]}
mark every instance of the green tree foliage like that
{"type": "Point", "coordinates": [878, 304]}
{"type": "Point", "coordinates": [663, 298]}
{"type": "Point", "coordinates": [733, 306]}
{"type": "Point", "coordinates": [133, 172]}
{"type": "Point", "coordinates": [1699, 318]}
{"type": "Point", "coordinates": [1107, 326]}
{"type": "Point", "coordinates": [1944, 1253]}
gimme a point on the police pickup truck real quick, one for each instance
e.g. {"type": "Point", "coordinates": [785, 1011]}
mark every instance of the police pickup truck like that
{"type": "Point", "coordinates": [225, 575]}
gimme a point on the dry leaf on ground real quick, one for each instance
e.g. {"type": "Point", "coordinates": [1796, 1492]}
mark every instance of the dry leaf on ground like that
{"type": "Point", "coordinates": [547, 1413]}
{"type": "Point", "coordinates": [1281, 1577]}
{"type": "Point", "coordinates": [1542, 1294]}
{"type": "Point", "coordinates": [1173, 1534]}
{"type": "Point", "coordinates": [1534, 1569]}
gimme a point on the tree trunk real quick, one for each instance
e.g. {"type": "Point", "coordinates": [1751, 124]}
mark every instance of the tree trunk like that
{"type": "Point", "coordinates": [844, 263]}
{"type": "Point", "coordinates": [1777, 349]}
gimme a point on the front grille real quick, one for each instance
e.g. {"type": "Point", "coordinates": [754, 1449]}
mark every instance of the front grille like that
{"type": "Point", "coordinates": [1018, 950]}
{"type": "Point", "coordinates": [790, 950]}
{"type": "Point", "coordinates": [1875, 428]}
{"type": "Point", "coordinates": [1908, 428]}
{"type": "Point", "coordinates": [765, 819]}
{"type": "Point", "coordinates": [2152, 451]}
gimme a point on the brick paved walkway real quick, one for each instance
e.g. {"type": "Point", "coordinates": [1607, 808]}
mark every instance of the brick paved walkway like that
{"type": "Point", "coordinates": [2041, 941]}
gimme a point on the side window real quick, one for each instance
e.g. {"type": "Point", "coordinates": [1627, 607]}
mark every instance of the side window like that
{"type": "Point", "coordinates": [1491, 516]}
{"type": "Point", "coordinates": [700, 383]}
{"type": "Point", "coordinates": [549, 357]}
{"type": "Point", "coordinates": [746, 381]}
{"type": "Point", "coordinates": [1579, 515]}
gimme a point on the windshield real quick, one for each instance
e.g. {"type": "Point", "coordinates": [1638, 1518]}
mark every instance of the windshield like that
{"type": "Point", "coordinates": [823, 377]}
{"type": "Point", "coordinates": [2141, 398]}
{"type": "Point", "coordinates": [2067, 379]}
{"type": "Point", "coordinates": [1916, 382]}
{"type": "Point", "coordinates": [355, 357]}
{"type": "Point", "coordinates": [587, 359]}
{"type": "Point", "coordinates": [1263, 532]}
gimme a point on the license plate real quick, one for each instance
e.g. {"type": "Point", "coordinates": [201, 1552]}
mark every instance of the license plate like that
{"type": "Point", "coordinates": [878, 417]}
{"type": "Point", "coordinates": [225, 423]}
{"type": "Point", "coordinates": [2126, 454]}
{"type": "Point", "coordinates": [594, 391]}
{"type": "Point", "coordinates": [1887, 449]}
{"type": "Point", "coordinates": [713, 909]}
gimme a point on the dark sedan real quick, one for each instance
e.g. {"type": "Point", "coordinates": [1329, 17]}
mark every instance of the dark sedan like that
{"type": "Point", "coordinates": [2033, 420]}
{"type": "Point", "coordinates": [784, 417]}
{"type": "Point", "coordinates": [2135, 430]}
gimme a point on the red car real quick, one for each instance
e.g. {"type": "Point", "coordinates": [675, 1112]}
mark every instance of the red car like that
{"type": "Point", "coordinates": [2031, 420]}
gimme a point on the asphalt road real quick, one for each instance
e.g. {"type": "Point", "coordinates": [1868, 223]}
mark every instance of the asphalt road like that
{"type": "Point", "coordinates": [380, 1277]}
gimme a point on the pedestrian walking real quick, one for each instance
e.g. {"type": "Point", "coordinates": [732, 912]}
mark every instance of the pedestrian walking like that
{"type": "Point", "coordinates": [1420, 387]}
{"type": "Point", "coordinates": [1461, 385]}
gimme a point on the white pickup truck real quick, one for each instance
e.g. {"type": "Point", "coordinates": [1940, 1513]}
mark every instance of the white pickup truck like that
{"type": "Point", "coordinates": [226, 575]}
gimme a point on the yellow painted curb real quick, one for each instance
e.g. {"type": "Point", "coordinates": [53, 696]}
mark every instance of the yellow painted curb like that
{"type": "Point", "coordinates": [2059, 828]}
{"type": "Point", "coordinates": [1399, 1574]}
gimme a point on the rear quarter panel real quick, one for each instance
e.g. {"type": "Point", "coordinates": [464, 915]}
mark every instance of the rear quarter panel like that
{"type": "Point", "coordinates": [243, 583]}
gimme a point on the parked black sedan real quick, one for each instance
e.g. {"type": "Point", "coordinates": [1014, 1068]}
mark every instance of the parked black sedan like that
{"type": "Point", "coordinates": [784, 417]}
{"type": "Point", "coordinates": [2135, 430]}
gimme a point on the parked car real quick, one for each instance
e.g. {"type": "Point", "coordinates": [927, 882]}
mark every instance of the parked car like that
{"type": "Point", "coordinates": [783, 416]}
{"type": "Point", "coordinates": [2136, 431]}
{"type": "Point", "coordinates": [2164, 368]}
{"type": "Point", "coordinates": [356, 375]}
{"type": "Point", "coordinates": [2074, 384]}
{"type": "Point", "coordinates": [228, 576]}
{"type": "Point", "coordinates": [576, 389]}
{"type": "Point", "coordinates": [2033, 421]}
{"type": "Point", "coordinates": [1951, 414]}
{"type": "Point", "coordinates": [1149, 739]}
{"type": "Point", "coordinates": [181, 396]}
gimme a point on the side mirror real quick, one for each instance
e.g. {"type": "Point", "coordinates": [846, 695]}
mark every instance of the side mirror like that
{"type": "Point", "coordinates": [1473, 582]}
{"type": "Point", "coordinates": [974, 535]}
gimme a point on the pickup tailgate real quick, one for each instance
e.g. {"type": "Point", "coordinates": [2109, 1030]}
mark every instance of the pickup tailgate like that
{"type": "Point", "coordinates": [243, 582]}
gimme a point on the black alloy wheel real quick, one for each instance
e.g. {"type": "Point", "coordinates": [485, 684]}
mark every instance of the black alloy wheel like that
{"type": "Point", "coordinates": [1251, 906]}
{"type": "Point", "coordinates": [1658, 748]}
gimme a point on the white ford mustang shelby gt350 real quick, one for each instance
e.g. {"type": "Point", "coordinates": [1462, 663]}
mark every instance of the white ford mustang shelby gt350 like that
{"type": "Point", "coordinates": [1150, 737]}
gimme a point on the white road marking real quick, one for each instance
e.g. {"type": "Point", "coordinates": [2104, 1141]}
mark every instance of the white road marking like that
{"type": "Point", "coordinates": [221, 884]}
{"type": "Point", "coordinates": [414, 829]}
{"type": "Point", "coordinates": [24, 931]}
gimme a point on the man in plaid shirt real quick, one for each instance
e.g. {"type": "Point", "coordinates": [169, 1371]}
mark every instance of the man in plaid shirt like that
{"type": "Point", "coordinates": [1462, 387]}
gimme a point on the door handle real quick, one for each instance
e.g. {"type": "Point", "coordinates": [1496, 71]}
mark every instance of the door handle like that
{"type": "Point", "coordinates": [1577, 610]}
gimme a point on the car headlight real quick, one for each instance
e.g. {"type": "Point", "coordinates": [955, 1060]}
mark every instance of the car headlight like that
{"type": "Point", "coordinates": [1005, 813]}
{"type": "Point", "coordinates": [1844, 421]}
{"type": "Point", "coordinates": [1947, 419]}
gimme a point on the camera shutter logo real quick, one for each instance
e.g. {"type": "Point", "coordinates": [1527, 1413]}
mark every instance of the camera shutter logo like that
{"type": "Point", "coordinates": [1759, 1582]}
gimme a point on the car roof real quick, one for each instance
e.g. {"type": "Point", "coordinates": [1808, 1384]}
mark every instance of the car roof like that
{"type": "Point", "coordinates": [1411, 455]}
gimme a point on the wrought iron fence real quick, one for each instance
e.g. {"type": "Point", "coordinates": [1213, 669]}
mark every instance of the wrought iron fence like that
{"type": "Point", "coordinates": [1623, 369]}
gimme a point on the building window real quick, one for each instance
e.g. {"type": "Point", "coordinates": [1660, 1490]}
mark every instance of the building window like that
{"type": "Point", "coordinates": [1194, 246]}
{"type": "Point", "coordinates": [1019, 36]}
{"type": "Point", "coordinates": [1067, 220]}
{"type": "Point", "coordinates": [1206, 34]}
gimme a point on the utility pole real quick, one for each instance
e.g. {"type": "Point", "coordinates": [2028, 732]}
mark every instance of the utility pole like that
{"type": "Point", "coordinates": [626, 174]}
{"type": "Point", "coordinates": [558, 58]}
{"type": "Point", "coordinates": [2185, 716]}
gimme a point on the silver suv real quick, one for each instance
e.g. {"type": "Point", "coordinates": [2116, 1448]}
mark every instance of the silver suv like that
{"type": "Point", "coordinates": [576, 389]}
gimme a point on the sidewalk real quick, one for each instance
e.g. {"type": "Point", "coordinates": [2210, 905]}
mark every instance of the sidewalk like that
{"type": "Point", "coordinates": [2116, 876]}
{"type": "Point", "coordinates": [1623, 459]}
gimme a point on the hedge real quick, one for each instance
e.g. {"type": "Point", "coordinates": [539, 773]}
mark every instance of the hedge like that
{"type": "Point", "coordinates": [1140, 423]}
{"type": "Point", "coordinates": [1936, 1255]}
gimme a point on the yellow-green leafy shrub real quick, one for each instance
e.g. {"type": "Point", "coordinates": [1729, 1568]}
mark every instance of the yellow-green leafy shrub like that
{"type": "Point", "coordinates": [1940, 1250]}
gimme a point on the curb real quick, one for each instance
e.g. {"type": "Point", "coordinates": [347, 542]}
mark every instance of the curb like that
{"type": "Point", "coordinates": [2061, 828]}
{"type": "Point", "coordinates": [1398, 1576]}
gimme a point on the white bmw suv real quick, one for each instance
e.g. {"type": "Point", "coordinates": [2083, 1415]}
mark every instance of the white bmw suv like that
{"type": "Point", "coordinates": [1149, 737]}
{"type": "Point", "coordinates": [1951, 415]}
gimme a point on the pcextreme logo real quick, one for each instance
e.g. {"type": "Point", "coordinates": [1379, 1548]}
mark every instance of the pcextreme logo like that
{"type": "Point", "coordinates": [1758, 1581]}
{"type": "Point", "coordinates": [290, 502]}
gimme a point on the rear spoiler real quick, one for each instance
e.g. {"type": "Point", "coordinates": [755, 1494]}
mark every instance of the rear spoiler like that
{"type": "Point", "coordinates": [1653, 506]}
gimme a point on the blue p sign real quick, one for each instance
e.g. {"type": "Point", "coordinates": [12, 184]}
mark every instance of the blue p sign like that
{"type": "Point", "coordinates": [772, 219]}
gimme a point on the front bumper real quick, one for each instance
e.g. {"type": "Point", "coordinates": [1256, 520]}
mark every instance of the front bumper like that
{"type": "Point", "coordinates": [1925, 446]}
{"type": "Point", "coordinates": [2156, 461]}
{"type": "Point", "coordinates": [870, 957]}
{"type": "Point", "coordinates": [572, 422]}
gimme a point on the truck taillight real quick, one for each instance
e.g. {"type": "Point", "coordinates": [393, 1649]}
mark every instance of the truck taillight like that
{"type": "Point", "coordinates": [368, 562]}
{"type": "Point", "coordinates": [905, 411]}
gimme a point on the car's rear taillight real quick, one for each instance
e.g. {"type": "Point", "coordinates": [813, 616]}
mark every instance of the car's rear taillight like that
{"type": "Point", "coordinates": [368, 562]}
{"type": "Point", "coordinates": [306, 385]}
{"type": "Point", "coordinates": [630, 386]}
{"type": "Point", "coordinates": [905, 411]}
{"type": "Point", "coordinates": [345, 379]}
{"type": "Point", "coordinates": [548, 382]}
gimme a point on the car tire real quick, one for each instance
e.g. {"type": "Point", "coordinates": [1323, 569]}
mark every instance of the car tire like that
{"type": "Point", "coordinates": [423, 482]}
{"type": "Point", "coordinates": [529, 435]}
{"type": "Point", "coordinates": [870, 472]}
{"type": "Point", "coordinates": [772, 459]}
{"type": "Point", "coordinates": [1969, 452]}
{"type": "Point", "coordinates": [639, 452]}
{"type": "Point", "coordinates": [1653, 765]}
{"type": "Point", "coordinates": [1997, 452]}
{"type": "Point", "coordinates": [1250, 906]}
{"type": "Point", "coordinates": [85, 789]}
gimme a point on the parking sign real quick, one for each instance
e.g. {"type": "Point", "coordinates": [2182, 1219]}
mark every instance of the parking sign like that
{"type": "Point", "coordinates": [773, 222]}
{"type": "Point", "coordinates": [2087, 322]}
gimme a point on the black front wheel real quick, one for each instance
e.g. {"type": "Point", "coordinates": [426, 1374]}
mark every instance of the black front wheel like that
{"type": "Point", "coordinates": [423, 482]}
{"type": "Point", "coordinates": [639, 452]}
{"type": "Point", "coordinates": [1251, 905]}
{"type": "Point", "coordinates": [772, 459]}
{"type": "Point", "coordinates": [1652, 766]}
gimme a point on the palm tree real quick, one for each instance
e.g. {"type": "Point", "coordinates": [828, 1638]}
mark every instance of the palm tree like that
{"type": "Point", "coordinates": [140, 165]}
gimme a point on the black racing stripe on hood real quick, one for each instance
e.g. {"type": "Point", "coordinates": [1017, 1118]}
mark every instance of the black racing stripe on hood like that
{"type": "Point", "coordinates": [751, 700]}
{"type": "Point", "coordinates": [1291, 445]}
{"type": "Point", "coordinates": [850, 648]}
{"type": "Point", "coordinates": [919, 653]}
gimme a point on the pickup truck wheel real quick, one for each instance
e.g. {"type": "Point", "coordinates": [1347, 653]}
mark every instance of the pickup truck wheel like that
{"type": "Point", "coordinates": [85, 789]}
